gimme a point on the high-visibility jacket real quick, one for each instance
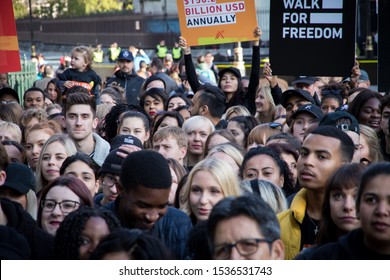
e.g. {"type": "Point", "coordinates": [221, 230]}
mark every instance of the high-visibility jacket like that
{"type": "Point", "coordinates": [176, 53]}
{"type": "Point", "coordinates": [98, 56]}
{"type": "Point", "coordinates": [161, 51]}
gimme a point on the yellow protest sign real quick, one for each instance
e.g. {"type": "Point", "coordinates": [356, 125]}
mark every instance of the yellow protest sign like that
{"type": "Point", "coordinates": [206, 22]}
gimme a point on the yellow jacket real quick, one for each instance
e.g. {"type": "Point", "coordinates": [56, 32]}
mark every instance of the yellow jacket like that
{"type": "Point", "coordinates": [289, 225]}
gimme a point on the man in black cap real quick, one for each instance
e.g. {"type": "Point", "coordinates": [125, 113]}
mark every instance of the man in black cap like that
{"type": "Point", "coordinates": [347, 123]}
{"type": "Point", "coordinates": [144, 188]}
{"type": "Point", "coordinates": [308, 83]}
{"type": "Point", "coordinates": [292, 99]}
{"type": "Point", "coordinates": [8, 95]}
{"type": "Point", "coordinates": [126, 78]}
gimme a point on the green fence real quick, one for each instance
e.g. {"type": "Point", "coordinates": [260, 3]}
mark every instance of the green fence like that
{"type": "Point", "coordinates": [21, 81]}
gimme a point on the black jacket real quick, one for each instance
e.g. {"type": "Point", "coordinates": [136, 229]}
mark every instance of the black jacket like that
{"type": "Point", "coordinates": [348, 247]}
{"type": "Point", "coordinates": [172, 229]}
{"type": "Point", "coordinates": [41, 243]}
{"type": "Point", "coordinates": [130, 83]}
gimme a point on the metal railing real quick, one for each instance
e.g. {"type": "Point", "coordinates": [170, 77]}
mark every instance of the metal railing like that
{"type": "Point", "coordinates": [21, 81]}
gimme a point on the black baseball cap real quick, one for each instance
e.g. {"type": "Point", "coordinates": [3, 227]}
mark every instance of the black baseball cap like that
{"type": "Point", "coordinates": [309, 108]}
{"type": "Point", "coordinates": [10, 91]}
{"type": "Point", "coordinates": [333, 120]}
{"type": "Point", "coordinates": [125, 55]}
{"type": "Point", "coordinates": [120, 140]}
{"type": "Point", "coordinates": [297, 92]}
{"type": "Point", "coordinates": [309, 80]}
{"type": "Point", "coordinates": [233, 70]}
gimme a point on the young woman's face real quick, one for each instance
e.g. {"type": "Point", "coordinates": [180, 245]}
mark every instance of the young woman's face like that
{"type": "Point", "coordinates": [85, 173]}
{"type": "Point", "coordinates": [95, 230]}
{"type": "Point", "coordinates": [153, 105]}
{"type": "Point", "coordinates": [370, 114]}
{"type": "Point", "coordinates": [329, 105]}
{"type": "Point", "coordinates": [229, 83]}
{"type": "Point", "coordinates": [343, 208]}
{"type": "Point", "coordinates": [205, 192]}
{"type": "Point", "coordinates": [197, 140]}
{"type": "Point", "coordinates": [175, 102]}
{"type": "Point", "coordinates": [374, 213]}
{"type": "Point", "coordinates": [263, 167]}
{"type": "Point", "coordinates": [292, 164]}
{"type": "Point", "coordinates": [235, 128]}
{"type": "Point", "coordinates": [301, 123]}
{"type": "Point", "coordinates": [51, 220]}
{"type": "Point", "coordinates": [52, 159]}
{"type": "Point", "coordinates": [34, 143]}
{"type": "Point", "coordinates": [107, 99]}
{"type": "Point", "coordinates": [168, 121]}
{"type": "Point", "coordinates": [135, 127]}
{"type": "Point", "coordinates": [51, 91]}
{"type": "Point", "coordinates": [262, 104]}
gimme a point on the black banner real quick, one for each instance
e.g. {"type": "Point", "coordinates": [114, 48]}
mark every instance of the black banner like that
{"type": "Point", "coordinates": [312, 37]}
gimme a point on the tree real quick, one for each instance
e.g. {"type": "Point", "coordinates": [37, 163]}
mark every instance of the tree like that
{"type": "Point", "coordinates": [20, 9]}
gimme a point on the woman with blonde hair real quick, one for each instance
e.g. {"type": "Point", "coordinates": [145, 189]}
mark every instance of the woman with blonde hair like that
{"type": "Point", "coordinates": [10, 131]}
{"type": "Point", "coordinates": [235, 111]}
{"type": "Point", "coordinates": [229, 152]}
{"type": "Point", "coordinates": [370, 150]}
{"type": "Point", "coordinates": [265, 105]}
{"type": "Point", "coordinates": [198, 128]}
{"type": "Point", "coordinates": [54, 152]}
{"type": "Point", "coordinates": [210, 181]}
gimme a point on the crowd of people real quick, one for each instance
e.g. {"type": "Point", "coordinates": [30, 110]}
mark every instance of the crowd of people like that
{"type": "Point", "coordinates": [172, 158]}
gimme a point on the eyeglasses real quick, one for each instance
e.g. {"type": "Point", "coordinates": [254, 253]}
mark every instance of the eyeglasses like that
{"type": "Point", "coordinates": [66, 206]}
{"type": "Point", "coordinates": [245, 247]}
{"type": "Point", "coordinates": [108, 180]}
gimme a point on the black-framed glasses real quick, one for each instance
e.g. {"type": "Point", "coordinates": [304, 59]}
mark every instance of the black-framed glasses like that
{"type": "Point", "coordinates": [66, 206]}
{"type": "Point", "coordinates": [245, 247]}
{"type": "Point", "coordinates": [108, 180]}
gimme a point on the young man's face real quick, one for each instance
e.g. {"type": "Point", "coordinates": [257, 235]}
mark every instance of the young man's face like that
{"type": "Point", "coordinates": [142, 207]}
{"type": "Point", "coordinates": [169, 148]}
{"type": "Point", "coordinates": [320, 156]}
{"type": "Point", "coordinates": [293, 103]}
{"type": "Point", "coordinates": [34, 99]}
{"type": "Point", "coordinates": [80, 122]}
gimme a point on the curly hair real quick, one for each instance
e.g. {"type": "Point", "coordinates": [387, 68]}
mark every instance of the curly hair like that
{"type": "Point", "coordinates": [68, 238]}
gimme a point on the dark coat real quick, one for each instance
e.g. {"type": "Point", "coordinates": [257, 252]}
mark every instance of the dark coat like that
{"type": "Point", "coordinates": [130, 83]}
{"type": "Point", "coordinates": [41, 243]}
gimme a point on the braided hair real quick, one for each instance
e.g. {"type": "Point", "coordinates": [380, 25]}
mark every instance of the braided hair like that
{"type": "Point", "coordinates": [68, 237]}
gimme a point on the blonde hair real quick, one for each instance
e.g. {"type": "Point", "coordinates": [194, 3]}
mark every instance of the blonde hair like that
{"type": "Point", "coordinates": [270, 193]}
{"type": "Point", "coordinates": [14, 129]}
{"type": "Point", "coordinates": [221, 171]}
{"type": "Point", "coordinates": [230, 150]}
{"type": "Point", "coordinates": [197, 122]}
{"type": "Point", "coordinates": [372, 143]}
{"type": "Point", "coordinates": [70, 149]}
{"type": "Point", "coordinates": [266, 116]}
{"type": "Point", "coordinates": [32, 204]}
{"type": "Point", "coordinates": [238, 109]}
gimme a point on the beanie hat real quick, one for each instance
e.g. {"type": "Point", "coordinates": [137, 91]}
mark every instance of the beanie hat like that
{"type": "Point", "coordinates": [146, 168]}
{"type": "Point", "coordinates": [112, 164]}
{"type": "Point", "coordinates": [13, 245]}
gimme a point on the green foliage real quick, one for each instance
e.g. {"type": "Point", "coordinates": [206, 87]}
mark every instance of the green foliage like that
{"type": "Point", "coordinates": [20, 9]}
